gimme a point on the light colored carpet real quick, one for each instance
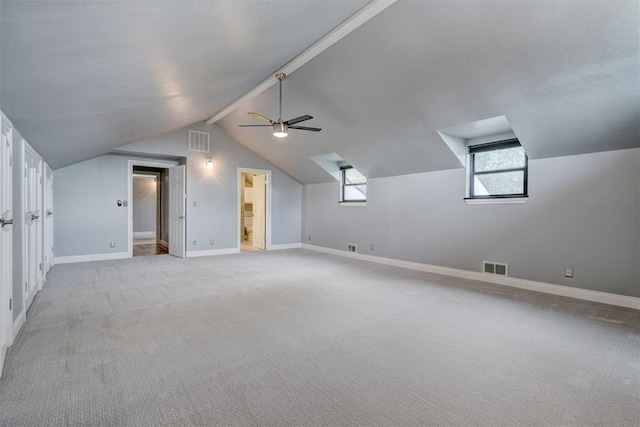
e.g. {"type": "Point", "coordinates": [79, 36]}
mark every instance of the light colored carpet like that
{"type": "Point", "coordinates": [301, 338]}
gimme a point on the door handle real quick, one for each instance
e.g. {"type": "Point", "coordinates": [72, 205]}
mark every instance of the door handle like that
{"type": "Point", "coordinates": [5, 222]}
{"type": "Point", "coordinates": [182, 217]}
{"type": "Point", "coordinates": [34, 217]}
{"type": "Point", "coordinates": [49, 212]}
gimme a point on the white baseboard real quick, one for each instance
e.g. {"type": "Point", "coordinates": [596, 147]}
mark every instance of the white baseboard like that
{"type": "Point", "coordinates": [285, 246]}
{"type": "Point", "coordinates": [18, 324]}
{"type": "Point", "coordinates": [163, 243]}
{"type": "Point", "coordinates": [92, 257]}
{"type": "Point", "coordinates": [3, 352]}
{"type": "Point", "coordinates": [144, 234]}
{"type": "Point", "coordinates": [211, 252]}
{"type": "Point", "coordinates": [549, 288]}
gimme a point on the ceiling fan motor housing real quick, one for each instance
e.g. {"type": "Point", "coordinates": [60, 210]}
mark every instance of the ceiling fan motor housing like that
{"type": "Point", "coordinates": [280, 129]}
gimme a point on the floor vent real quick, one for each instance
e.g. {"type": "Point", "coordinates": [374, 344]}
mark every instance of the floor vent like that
{"type": "Point", "coordinates": [498, 268]}
{"type": "Point", "coordinates": [352, 248]}
{"type": "Point", "coordinates": [198, 141]}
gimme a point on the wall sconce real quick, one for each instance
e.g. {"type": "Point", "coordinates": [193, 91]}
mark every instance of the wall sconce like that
{"type": "Point", "coordinates": [209, 163]}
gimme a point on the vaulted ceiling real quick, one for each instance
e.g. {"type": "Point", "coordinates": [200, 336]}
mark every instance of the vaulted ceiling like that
{"type": "Point", "coordinates": [80, 78]}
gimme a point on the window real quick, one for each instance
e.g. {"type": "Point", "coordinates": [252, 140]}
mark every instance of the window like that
{"type": "Point", "coordinates": [497, 170]}
{"type": "Point", "coordinates": [353, 185]}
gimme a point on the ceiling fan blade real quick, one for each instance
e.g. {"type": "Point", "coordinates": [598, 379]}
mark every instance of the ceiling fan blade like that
{"type": "Point", "coordinates": [305, 128]}
{"type": "Point", "coordinates": [261, 117]}
{"type": "Point", "coordinates": [299, 119]}
{"type": "Point", "coordinates": [253, 126]}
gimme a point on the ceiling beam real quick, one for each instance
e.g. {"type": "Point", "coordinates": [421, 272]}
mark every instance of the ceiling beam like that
{"type": "Point", "coordinates": [354, 21]}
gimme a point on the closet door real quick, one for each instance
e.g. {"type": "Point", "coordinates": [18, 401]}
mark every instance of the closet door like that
{"type": "Point", "coordinates": [32, 224]}
{"type": "Point", "coordinates": [6, 238]}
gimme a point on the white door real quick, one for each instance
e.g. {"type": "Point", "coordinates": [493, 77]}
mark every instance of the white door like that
{"type": "Point", "coordinates": [47, 226]}
{"type": "Point", "coordinates": [6, 238]}
{"type": "Point", "coordinates": [32, 224]}
{"type": "Point", "coordinates": [259, 211]}
{"type": "Point", "coordinates": [177, 211]}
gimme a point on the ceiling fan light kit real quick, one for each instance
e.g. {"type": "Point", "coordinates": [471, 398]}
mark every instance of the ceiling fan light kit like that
{"type": "Point", "coordinates": [281, 127]}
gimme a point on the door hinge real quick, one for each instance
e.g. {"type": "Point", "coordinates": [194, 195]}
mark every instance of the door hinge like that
{"type": "Point", "coordinates": [26, 286]}
{"type": "Point", "coordinates": [11, 160]}
{"type": "Point", "coordinates": [10, 303]}
{"type": "Point", "coordinates": [40, 267]}
{"type": "Point", "coordinates": [25, 172]}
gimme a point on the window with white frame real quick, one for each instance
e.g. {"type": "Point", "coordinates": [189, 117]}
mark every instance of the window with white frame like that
{"type": "Point", "coordinates": [497, 170]}
{"type": "Point", "coordinates": [353, 185]}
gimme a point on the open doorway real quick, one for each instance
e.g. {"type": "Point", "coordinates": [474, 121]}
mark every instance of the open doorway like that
{"type": "Point", "coordinates": [150, 211]}
{"type": "Point", "coordinates": [254, 210]}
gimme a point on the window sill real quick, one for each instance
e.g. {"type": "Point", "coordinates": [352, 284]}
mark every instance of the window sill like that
{"type": "Point", "coordinates": [495, 200]}
{"type": "Point", "coordinates": [352, 203]}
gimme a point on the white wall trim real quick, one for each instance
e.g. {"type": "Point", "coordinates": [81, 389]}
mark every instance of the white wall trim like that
{"type": "Point", "coordinates": [211, 252]}
{"type": "Point", "coordinates": [548, 288]}
{"type": "Point", "coordinates": [285, 246]}
{"type": "Point", "coordinates": [144, 234]}
{"type": "Point", "coordinates": [92, 257]}
{"type": "Point", "coordinates": [18, 324]}
{"type": "Point", "coordinates": [3, 352]}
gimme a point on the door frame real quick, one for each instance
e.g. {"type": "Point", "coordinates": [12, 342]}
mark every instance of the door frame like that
{"type": "Point", "coordinates": [267, 172]}
{"type": "Point", "coordinates": [161, 164]}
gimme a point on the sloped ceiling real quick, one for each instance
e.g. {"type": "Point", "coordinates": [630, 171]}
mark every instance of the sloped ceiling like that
{"type": "Point", "coordinates": [565, 74]}
{"type": "Point", "coordinates": [78, 78]}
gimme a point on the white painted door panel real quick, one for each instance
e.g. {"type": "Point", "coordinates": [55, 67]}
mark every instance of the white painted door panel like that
{"type": "Point", "coordinates": [33, 224]}
{"type": "Point", "coordinates": [6, 238]}
{"type": "Point", "coordinates": [259, 208]}
{"type": "Point", "coordinates": [177, 211]}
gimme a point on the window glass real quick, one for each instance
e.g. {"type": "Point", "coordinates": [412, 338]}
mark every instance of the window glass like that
{"type": "Point", "coordinates": [497, 170]}
{"type": "Point", "coordinates": [353, 185]}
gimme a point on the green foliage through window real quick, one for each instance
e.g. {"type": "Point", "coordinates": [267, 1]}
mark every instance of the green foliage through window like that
{"type": "Point", "coordinates": [497, 170]}
{"type": "Point", "coordinates": [353, 185]}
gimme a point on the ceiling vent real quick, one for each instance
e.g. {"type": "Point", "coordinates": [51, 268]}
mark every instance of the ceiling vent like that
{"type": "Point", "coordinates": [198, 141]}
{"type": "Point", "coordinates": [497, 268]}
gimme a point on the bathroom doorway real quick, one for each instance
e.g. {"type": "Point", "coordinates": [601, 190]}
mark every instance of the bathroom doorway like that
{"type": "Point", "coordinates": [254, 210]}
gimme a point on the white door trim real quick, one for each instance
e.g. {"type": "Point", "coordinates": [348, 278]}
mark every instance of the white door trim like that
{"type": "Point", "coordinates": [267, 172]}
{"type": "Point", "coordinates": [130, 164]}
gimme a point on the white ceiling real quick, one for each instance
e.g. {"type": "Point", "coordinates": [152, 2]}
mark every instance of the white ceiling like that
{"type": "Point", "coordinates": [79, 78]}
{"type": "Point", "coordinates": [565, 74]}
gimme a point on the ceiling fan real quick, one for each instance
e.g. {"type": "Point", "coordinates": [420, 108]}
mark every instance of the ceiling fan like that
{"type": "Point", "coordinates": [280, 127]}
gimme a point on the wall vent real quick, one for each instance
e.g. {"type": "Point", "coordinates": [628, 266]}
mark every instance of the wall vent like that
{"type": "Point", "coordinates": [198, 141]}
{"type": "Point", "coordinates": [499, 268]}
{"type": "Point", "coordinates": [352, 248]}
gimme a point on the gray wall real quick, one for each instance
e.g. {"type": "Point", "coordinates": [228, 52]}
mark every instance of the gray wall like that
{"type": "Point", "coordinates": [583, 212]}
{"type": "Point", "coordinates": [145, 199]}
{"type": "Point", "coordinates": [87, 216]}
{"type": "Point", "coordinates": [85, 196]}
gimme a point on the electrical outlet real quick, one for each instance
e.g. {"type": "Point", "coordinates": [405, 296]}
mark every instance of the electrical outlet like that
{"type": "Point", "coordinates": [211, 242]}
{"type": "Point", "coordinates": [112, 244]}
{"type": "Point", "coordinates": [371, 246]}
{"type": "Point", "coordinates": [194, 243]}
{"type": "Point", "coordinates": [568, 272]}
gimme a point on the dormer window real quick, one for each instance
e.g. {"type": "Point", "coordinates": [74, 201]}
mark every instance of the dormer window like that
{"type": "Point", "coordinates": [353, 185]}
{"type": "Point", "coordinates": [497, 170]}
